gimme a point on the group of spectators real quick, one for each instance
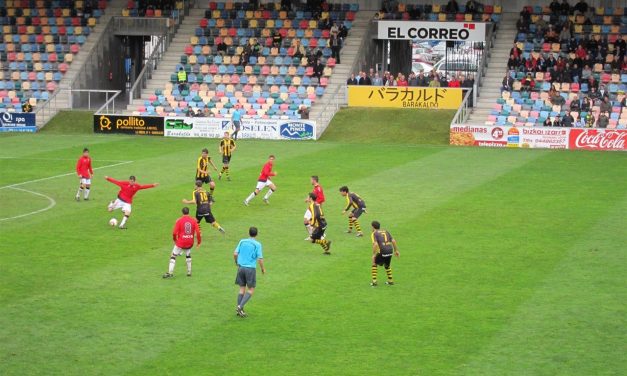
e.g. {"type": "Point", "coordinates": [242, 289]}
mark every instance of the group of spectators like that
{"type": "Point", "coordinates": [392, 7]}
{"type": "Point", "coordinates": [148, 7]}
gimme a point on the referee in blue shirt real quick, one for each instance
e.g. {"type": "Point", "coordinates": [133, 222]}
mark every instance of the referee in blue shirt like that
{"type": "Point", "coordinates": [236, 119]}
{"type": "Point", "coordinates": [246, 255]}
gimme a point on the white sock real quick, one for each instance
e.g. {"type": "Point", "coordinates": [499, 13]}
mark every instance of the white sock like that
{"type": "Point", "coordinates": [78, 194]}
{"type": "Point", "coordinates": [250, 197]}
{"type": "Point", "coordinates": [124, 219]}
{"type": "Point", "coordinates": [268, 194]}
{"type": "Point", "coordinates": [189, 264]}
{"type": "Point", "coordinates": [86, 192]}
{"type": "Point", "coordinates": [172, 263]}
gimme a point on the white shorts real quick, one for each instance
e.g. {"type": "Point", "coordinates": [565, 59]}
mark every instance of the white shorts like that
{"type": "Point", "coordinates": [85, 181]}
{"type": "Point", "coordinates": [262, 184]}
{"type": "Point", "coordinates": [119, 204]}
{"type": "Point", "coordinates": [308, 215]}
{"type": "Point", "coordinates": [176, 251]}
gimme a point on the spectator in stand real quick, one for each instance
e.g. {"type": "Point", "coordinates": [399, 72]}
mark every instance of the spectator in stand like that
{"type": "Point", "coordinates": [303, 111]}
{"type": "Point", "coordinates": [575, 104]}
{"type": "Point", "coordinates": [513, 63]}
{"type": "Point", "coordinates": [335, 30]}
{"type": "Point", "coordinates": [522, 25]}
{"type": "Point", "coordinates": [558, 121]}
{"type": "Point", "coordinates": [606, 105]}
{"type": "Point", "coordinates": [526, 14]}
{"type": "Point", "coordinates": [336, 44]}
{"type": "Point", "coordinates": [585, 104]}
{"type": "Point", "coordinates": [26, 107]}
{"type": "Point", "coordinates": [592, 82]}
{"type": "Point", "coordinates": [603, 120]}
{"type": "Point", "coordinates": [565, 8]}
{"type": "Point", "coordinates": [190, 112]}
{"type": "Point", "coordinates": [547, 122]}
{"type": "Point", "coordinates": [421, 80]}
{"type": "Point", "coordinates": [413, 80]}
{"type": "Point", "coordinates": [575, 73]}
{"type": "Point", "coordinates": [318, 69]}
{"type": "Point", "coordinates": [555, 97]}
{"type": "Point", "coordinates": [589, 120]}
{"type": "Point", "coordinates": [434, 80]}
{"type": "Point", "coordinates": [603, 93]}
{"type": "Point", "coordinates": [551, 35]}
{"type": "Point", "coordinates": [454, 82]}
{"type": "Point", "coordinates": [531, 64]}
{"type": "Point", "coordinates": [568, 120]}
{"type": "Point", "coordinates": [276, 38]}
{"type": "Point", "coordinates": [515, 51]}
{"type": "Point", "coordinates": [401, 81]}
{"type": "Point", "coordinates": [221, 48]}
{"type": "Point", "coordinates": [299, 49]}
{"type": "Point", "coordinates": [472, 7]}
{"type": "Point", "coordinates": [352, 80]}
{"type": "Point", "coordinates": [181, 77]}
{"type": "Point", "coordinates": [620, 46]}
{"type": "Point", "coordinates": [343, 32]}
{"type": "Point", "coordinates": [555, 7]}
{"type": "Point", "coordinates": [594, 94]}
{"type": "Point", "coordinates": [377, 81]}
{"type": "Point", "coordinates": [506, 84]}
{"type": "Point", "coordinates": [452, 7]}
{"type": "Point", "coordinates": [586, 72]}
{"type": "Point", "coordinates": [527, 83]}
{"type": "Point", "coordinates": [581, 7]}
{"type": "Point", "coordinates": [365, 80]}
{"type": "Point", "coordinates": [541, 64]}
{"type": "Point", "coordinates": [541, 27]}
{"type": "Point", "coordinates": [443, 80]}
{"type": "Point", "coordinates": [286, 5]}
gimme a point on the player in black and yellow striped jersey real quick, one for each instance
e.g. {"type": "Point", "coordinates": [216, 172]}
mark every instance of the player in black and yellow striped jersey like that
{"type": "Point", "coordinates": [203, 206]}
{"type": "Point", "coordinates": [227, 147]}
{"type": "Point", "coordinates": [318, 224]}
{"type": "Point", "coordinates": [383, 247]}
{"type": "Point", "coordinates": [357, 206]}
{"type": "Point", "coordinates": [202, 170]}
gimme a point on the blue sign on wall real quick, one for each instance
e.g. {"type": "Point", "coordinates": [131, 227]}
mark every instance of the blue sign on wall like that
{"type": "Point", "coordinates": [17, 122]}
{"type": "Point", "coordinates": [297, 130]}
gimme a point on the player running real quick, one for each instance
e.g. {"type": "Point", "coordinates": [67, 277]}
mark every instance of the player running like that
{"type": "Point", "coordinates": [264, 181]}
{"type": "Point", "coordinates": [128, 189]}
{"type": "Point", "coordinates": [318, 224]}
{"type": "Point", "coordinates": [227, 147]}
{"type": "Point", "coordinates": [84, 172]}
{"type": "Point", "coordinates": [202, 170]}
{"type": "Point", "coordinates": [185, 229]}
{"type": "Point", "coordinates": [317, 190]}
{"type": "Point", "coordinates": [383, 246]}
{"type": "Point", "coordinates": [358, 206]}
{"type": "Point", "coordinates": [203, 206]}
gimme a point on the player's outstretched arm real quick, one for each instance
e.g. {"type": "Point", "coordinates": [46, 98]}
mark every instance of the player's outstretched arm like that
{"type": "Point", "coordinates": [213, 165]}
{"type": "Point", "coordinates": [147, 186]}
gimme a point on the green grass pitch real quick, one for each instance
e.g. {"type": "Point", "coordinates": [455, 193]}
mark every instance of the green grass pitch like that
{"type": "Point", "coordinates": [512, 261]}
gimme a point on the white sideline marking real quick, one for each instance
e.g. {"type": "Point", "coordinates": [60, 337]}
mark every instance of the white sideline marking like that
{"type": "Point", "coordinates": [62, 175]}
{"type": "Point", "coordinates": [52, 202]}
{"type": "Point", "coordinates": [59, 159]}
{"type": "Point", "coordinates": [50, 205]}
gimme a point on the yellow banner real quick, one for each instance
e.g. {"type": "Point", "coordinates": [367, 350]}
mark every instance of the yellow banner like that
{"type": "Point", "coordinates": [404, 97]}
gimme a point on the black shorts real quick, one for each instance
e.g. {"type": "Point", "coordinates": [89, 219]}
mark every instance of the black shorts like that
{"type": "Point", "coordinates": [383, 260]}
{"type": "Point", "coordinates": [317, 233]}
{"type": "Point", "coordinates": [246, 277]}
{"type": "Point", "coordinates": [236, 124]}
{"type": "Point", "coordinates": [205, 179]}
{"type": "Point", "coordinates": [358, 212]}
{"type": "Point", "coordinates": [208, 217]}
{"type": "Point", "coordinates": [226, 159]}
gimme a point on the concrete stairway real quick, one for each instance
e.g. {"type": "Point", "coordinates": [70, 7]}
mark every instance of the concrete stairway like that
{"type": "Point", "coordinates": [334, 96]}
{"type": "Point", "coordinates": [62, 100]}
{"type": "Point", "coordinates": [172, 56]}
{"type": "Point", "coordinates": [491, 87]}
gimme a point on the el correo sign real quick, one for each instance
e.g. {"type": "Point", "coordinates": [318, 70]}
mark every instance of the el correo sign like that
{"type": "Point", "coordinates": [424, 30]}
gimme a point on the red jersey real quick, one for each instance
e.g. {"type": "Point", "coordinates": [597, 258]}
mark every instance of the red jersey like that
{"type": "Point", "coordinates": [266, 172]}
{"type": "Point", "coordinates": [317, 190]}
{"type": "Point", "coordinates": [128, 190]}
{"type": "Point", "coordinates": [83, 167]}
{"type": "Point", "coordinates": [184, 230]}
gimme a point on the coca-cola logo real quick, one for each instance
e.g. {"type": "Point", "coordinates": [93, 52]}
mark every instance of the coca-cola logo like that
{"type": "Point", "coordinates": [596, 139]}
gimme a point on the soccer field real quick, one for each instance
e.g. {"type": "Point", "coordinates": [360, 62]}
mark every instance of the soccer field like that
{"type": "Point", "coordinates": [512, 262]}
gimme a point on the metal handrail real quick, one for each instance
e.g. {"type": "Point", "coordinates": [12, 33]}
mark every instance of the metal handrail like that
{"type": "Point", "coordinates": [106, 105]}
{"type": "Point", "coordinates": [149, 66]}
{"type": "Point", "coordinates": [463, 111]}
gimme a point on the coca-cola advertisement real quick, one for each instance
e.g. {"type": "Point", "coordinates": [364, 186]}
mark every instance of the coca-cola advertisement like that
{"type": "Point", "coordinates": [598, 139]}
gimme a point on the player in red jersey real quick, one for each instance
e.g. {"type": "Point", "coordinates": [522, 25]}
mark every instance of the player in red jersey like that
{"type": "Point", "coordinates": [185, 229]}
{"type": "Point", "coordinates": [317, 190]}
{"type": "Point", "coordinates": [128, 188]}
{"type": "Point", "coordinates": [264, 181]}
{"type": "Point", "coordinates": [84, 172]}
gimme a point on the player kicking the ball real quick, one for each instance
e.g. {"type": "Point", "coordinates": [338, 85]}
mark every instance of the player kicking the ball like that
{"type": "Point", "coordinates": [183, 234]}
{"type": "Point", "coordinates": [203, 206]}
{"type": "Point", "coordinates": [264, 181]}
{"type": "Point", "coordinates": [85, 172]}
{"type": "Point", "coordinates": [128, 189]}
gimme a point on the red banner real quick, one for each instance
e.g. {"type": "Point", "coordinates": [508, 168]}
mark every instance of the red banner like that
{"type": "Point", "coordinates": [597, 139]}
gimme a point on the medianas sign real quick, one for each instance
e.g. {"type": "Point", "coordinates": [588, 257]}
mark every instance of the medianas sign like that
{"type": "Point", "coordinates": [137, 125]}
{"type": "Point", "coordinates": [424, 30]}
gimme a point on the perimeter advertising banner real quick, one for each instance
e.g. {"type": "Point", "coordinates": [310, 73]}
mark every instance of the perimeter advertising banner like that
{"type": "Point", "coordinates": [17, 122]}
{"type": "Point", "coordinates": [272, 129]}
{"type": "Point", "coordinates": [436, 31]}
{"type": "Point", "coordinates": [540, 137]}
{"type": "Point", "coordinates": [137, 125]}
{"type": "Point", "coordinates": [405, 97]}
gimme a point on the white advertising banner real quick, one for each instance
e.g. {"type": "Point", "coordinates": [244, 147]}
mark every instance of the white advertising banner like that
{"type": "Point", "coordinates": [426, 30]}
{"type": "Point", "coordinates": [513, 137]}
{"type": "Point", "coordinates": [270, 129]}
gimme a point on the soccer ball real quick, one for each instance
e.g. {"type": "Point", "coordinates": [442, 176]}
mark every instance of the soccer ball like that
{"type": "Point", "coordinates": [113, 222]}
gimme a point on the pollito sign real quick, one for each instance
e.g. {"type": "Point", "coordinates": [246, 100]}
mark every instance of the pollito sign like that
{"type": "Point", "coordinates": [437, 31]}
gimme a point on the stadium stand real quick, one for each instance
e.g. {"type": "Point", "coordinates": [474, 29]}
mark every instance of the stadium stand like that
{"type": "Point", "coordinates": [143, 8]}
{"type": "Point", "coordinates": [472, 11]}
{"type": "Point", "coordinates": [38, 42]}
{"type": "Point", "coordinates": [268, 61]}
{"type": "Point", "coordinates": [567, 67]}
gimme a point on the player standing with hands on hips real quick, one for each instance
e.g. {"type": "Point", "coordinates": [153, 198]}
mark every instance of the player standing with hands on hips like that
{"type": "Point", "coordinates": [185, 229]}
{"type": "Point", "coordinates": [264, 181]}
{"type": "Point", "coordinates": [247, 254]}
{"type": "Point", "coordinates": [85, 172]}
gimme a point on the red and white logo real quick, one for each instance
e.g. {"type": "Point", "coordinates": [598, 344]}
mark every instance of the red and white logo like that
{"type": "Point", "coordinates": [497, 133]}
{"type": "Point", "coordinates": [598, 139]}
{"type": "Point", "coordinates": [470, 26]}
